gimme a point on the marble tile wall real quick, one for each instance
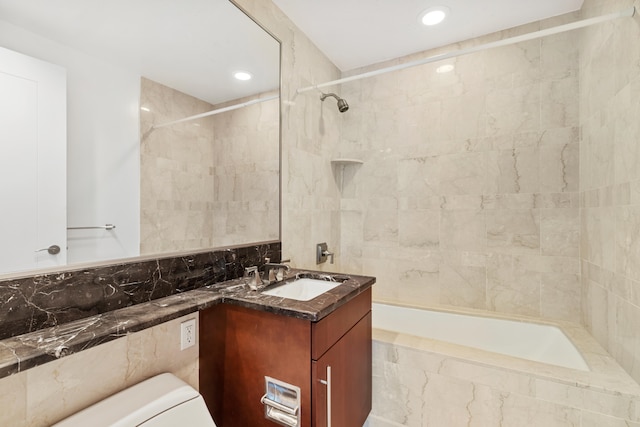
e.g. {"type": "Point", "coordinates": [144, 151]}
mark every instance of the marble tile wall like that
{"type": "Point", "coordinates": [412, 387]}
{"type": "Point", "coordinates": [609, 181]}
{"type": "Point", "coordinates": [209, 182]}
{"type": "Point", "coordinates": [246, 162]}
{"type": "Point", "coordinates": [31, 303]}
{"type": "Point", "coordinates": [48, 393]}
{"type": "Point", "coordinates": [176, 172]}
{"type": "Point", "coordinates": [310, 137]}
{"type": "Point", "coordinates": [468, 195]}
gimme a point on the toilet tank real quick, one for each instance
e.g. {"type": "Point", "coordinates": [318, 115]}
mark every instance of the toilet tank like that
{"type": "Point", "coordinates": [161, 401]}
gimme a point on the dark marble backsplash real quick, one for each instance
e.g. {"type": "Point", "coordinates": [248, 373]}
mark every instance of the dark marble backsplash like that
{"type": "Point", "coordinates": [33, 303]}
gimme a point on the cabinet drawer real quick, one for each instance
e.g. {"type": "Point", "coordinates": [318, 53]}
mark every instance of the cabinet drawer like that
{"type": "Point", "coordinates": [328, 331]}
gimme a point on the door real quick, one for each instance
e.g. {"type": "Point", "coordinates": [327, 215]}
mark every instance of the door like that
{"type": "Point", "coordinates": [32, 163]}
{"type": "Point", "coordinates": [342, 379]}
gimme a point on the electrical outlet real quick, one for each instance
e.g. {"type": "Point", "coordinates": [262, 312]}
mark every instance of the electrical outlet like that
{"type": "Point", "coordinates": [187, 334]}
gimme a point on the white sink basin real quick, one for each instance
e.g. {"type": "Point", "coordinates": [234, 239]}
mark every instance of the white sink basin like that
{"type": "Point", "coordinates": [302, 289]}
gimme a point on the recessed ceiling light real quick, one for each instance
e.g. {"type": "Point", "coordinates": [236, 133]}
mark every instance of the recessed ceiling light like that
{"type": "Point", "coordinates": [444, 68]}
{"type": "Point", "coordinates": [145, 109]}
{"type": "Point", "coordinates": [434, 15]}
{"type": "Point", "coordinates": [242, 75]}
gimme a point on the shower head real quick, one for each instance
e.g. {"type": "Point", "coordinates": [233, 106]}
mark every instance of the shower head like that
{"type": "Point", "coordinates": [342, 104]}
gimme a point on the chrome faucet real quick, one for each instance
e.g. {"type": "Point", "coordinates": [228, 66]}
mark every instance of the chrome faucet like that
{"type": "Point", "coordinates": [274, 272]}
{"type": "Point", "coordinates": [253, 275]}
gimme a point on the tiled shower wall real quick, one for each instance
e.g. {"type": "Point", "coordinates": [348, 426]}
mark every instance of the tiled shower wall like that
{"type": "Point", "coordinates": [209, 182]}
{"type": "Point", "coordinates": [176, 172]}
{"type": "Point", "coordinates": [246, 173]}
{"type": "Point", "coordinates": [310, 134]}
{"type": "Point", "coordinates": [468, 195]}
{"type": "Point", "coordinates": [610, 181]}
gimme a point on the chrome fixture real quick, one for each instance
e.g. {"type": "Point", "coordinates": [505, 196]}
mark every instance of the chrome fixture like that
{"type": "Point", "coordinates": [274, 272]}
{"type": "Point", "coordinates": [94, 227]}
{"type": "Point", "coordinates": [52, 250]}
{"type": "Point", "coordinates": [252, 278]}
{"type": "Point", "coordinates": [282, 402]}
{"type": "Point", "coordinates": [342, 104]}
{"type": "Point", "coordinates": [322, 253]}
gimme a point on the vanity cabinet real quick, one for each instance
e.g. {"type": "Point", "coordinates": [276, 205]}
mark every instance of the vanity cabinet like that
{"type": "Point", "coordinates": [240, 346]}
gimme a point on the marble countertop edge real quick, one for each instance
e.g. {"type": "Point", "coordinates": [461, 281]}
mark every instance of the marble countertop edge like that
{"type": "Point", "coordinates": [29, 350]}
{"type": "Point", "coordinates": [23, 352]}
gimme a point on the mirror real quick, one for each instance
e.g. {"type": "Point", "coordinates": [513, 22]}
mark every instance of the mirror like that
{"type": "Point", "coordinates": [140, 180]}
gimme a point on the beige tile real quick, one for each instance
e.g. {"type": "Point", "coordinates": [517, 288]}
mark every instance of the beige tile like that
{"type": "Point", "coordinates": [463, 230]}
{"type": "Point", "coordinates": [516, 171]}
{"type": "Point", "coordinates": [627, 241]}
{"type": "Point", "coordinates": [560, 295]}
{"type": "Point", "coordinates": [419, 228]}
{"type": "Point", "coordinates": [559, 168]}
{"type": "Point", "coordinates": [590, 419]}
{"type": "Point", "coordinates": [157, 350]}
{"type": "Point", "coordinates": [514, 231]}
{"type": "Point", "coordinates": [418, 177]}
{"type": "Point", "coordinates": [560, 232]}
{"type": "Point", "coordinates": [463, 173]}
{"type": "Point", "coordinates": [13, 400]}
{"type": "Point", "coordinates": [520, 410]}
{"type": "Point", "coordinates": [462, 285]}
{"type": "Point", "coordinates": [511, 287]}
{"type": "Point", "coordinates": [62, 387]}
{"type": "Point", "coordinates": [381, 226]}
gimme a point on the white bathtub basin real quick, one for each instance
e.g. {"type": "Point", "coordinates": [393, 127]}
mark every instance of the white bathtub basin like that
{"type": "Point", "coordinates": [536, 342]}
{"type": "Point", "coordinates": [302, 289]}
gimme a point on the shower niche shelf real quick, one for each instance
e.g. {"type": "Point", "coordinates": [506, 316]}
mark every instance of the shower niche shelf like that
{"type": "Point", "coordinates": [344, 174]}
{"type": "Point", "coordinates": [346, 162]}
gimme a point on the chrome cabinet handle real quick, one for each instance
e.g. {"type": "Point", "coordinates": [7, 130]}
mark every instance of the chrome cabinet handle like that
{"type": "Point", "coordinates": [328, 384]}
{"type": "Point", "coordinates": [53, 249]}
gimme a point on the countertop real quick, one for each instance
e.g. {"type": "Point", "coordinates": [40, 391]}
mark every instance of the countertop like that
{"type": "Point", "coordinates": [29, 350]}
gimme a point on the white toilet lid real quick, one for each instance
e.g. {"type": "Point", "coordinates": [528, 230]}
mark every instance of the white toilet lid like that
{"type": "Point", "coordinates": [163, 400]}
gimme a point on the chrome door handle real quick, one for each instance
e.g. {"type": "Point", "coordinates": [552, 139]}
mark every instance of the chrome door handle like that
{"type": "Point", "coordinates": [53, 249]}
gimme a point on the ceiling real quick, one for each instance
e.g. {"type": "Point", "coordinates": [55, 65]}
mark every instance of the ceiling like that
{"type": "Point", "coordinates": [193, 46]}
{"type": "Point", "coordinates": [355, 33]}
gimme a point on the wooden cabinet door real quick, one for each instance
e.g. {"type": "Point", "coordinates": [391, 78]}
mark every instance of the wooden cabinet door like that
{"type": "Point", "coordinates": [238, 347]}
{"type": "Point", "coordinates": [349, 361]}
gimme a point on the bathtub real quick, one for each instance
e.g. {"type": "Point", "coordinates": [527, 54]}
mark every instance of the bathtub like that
{"type": "Point", "coordinates": [435, 367]}
{"type": "Point", "coordinates": [535, 342]}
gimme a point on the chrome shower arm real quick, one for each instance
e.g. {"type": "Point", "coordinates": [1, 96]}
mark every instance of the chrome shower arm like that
{"type": "Point", "coordinates": [325, 95]}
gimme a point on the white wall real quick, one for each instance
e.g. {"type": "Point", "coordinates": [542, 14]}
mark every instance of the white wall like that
{"type": "Point", "coordinates": [102, 148]}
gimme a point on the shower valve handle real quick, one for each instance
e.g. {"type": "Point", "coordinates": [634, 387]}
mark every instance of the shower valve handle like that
{"type": "Point", "coordinates": [329, 254]}
{"type": "Point", "coordinates": [322, 252]}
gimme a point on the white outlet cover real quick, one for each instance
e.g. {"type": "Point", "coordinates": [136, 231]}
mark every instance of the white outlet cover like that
{"type": "Point", "coordinates": [188, 334]}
